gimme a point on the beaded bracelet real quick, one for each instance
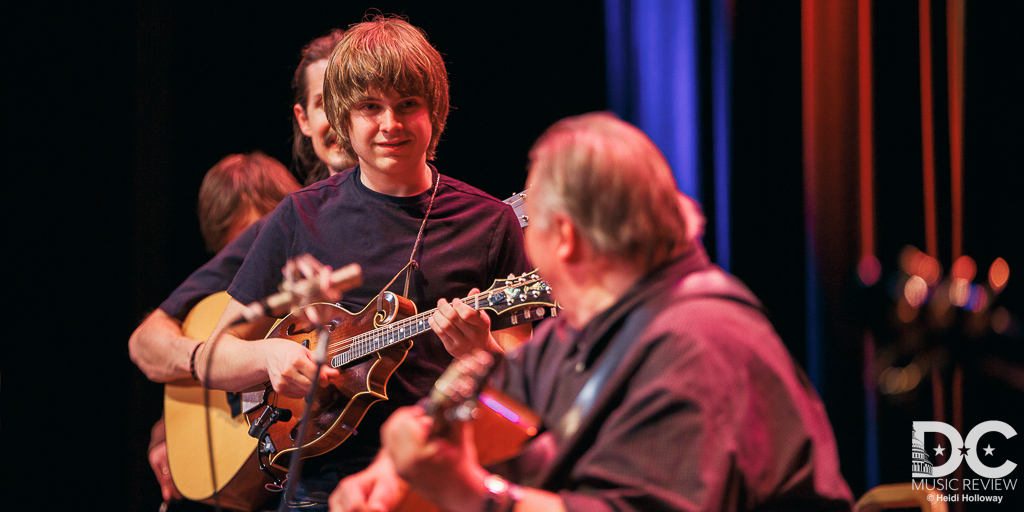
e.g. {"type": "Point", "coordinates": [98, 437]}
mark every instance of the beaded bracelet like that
{"type": "Point", "coordinates": [192, 362]}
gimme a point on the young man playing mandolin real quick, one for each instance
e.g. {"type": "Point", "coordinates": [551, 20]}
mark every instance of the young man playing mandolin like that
{"type": "Point", "coordinates": [661, 384]}
{"type": "Point", "coordinates": [386, 94]}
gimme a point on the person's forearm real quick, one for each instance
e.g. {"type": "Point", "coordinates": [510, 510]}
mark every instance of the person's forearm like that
{"type": "Point", "coordinates": [469, 493]}
{"type": "Point", "coordinates": [236, 364]}
{"type": "Point", "coordinates": [159, 348]}
{"type": "Point", "coordinates": [157, 434]}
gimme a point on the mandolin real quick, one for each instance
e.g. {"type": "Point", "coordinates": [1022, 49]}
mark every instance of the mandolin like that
{"type": "Point", "coordinates": [368, 348]}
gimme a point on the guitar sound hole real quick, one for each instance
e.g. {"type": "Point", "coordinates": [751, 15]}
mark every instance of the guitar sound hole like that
{"type": "Point", "coordinates": [294, 434]}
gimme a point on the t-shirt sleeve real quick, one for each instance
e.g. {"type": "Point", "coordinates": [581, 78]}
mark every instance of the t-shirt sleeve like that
{"type": "Point", "coordinates": [214, 276]}
{"type": "Point", "coordinates": [260, 273]}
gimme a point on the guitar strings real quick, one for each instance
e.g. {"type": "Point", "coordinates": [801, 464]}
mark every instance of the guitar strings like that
{"type": "Point", "coordinates": [418, 317]}
{"type": "Point", "coordinates": [362, 339]}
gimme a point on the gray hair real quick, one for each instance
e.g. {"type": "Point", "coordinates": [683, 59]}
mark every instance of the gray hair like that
{"type": "Point", "coordinates": [615, 185]}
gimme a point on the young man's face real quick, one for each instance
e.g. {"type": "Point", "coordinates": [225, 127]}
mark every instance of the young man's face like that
{"type": "Point", "coordinates": [390, 133]}
{"type": "Point", "coordinates": [313, 121]}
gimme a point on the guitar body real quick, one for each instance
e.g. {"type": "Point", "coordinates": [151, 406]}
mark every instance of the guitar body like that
{"type": "Point", "coordinates": [501, 426]}
{"type": "Point", "coordinates": [339, 407]}
{"type": "Point", "coordinates": [239, 482]}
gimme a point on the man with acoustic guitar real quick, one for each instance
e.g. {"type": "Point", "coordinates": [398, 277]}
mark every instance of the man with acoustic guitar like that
{"type": "Point", "coordinates": [158, 346]}
{"type": "Point", "coordinates": [404, 223]}
{"type": "Point", "coordinates": [235, 192]}
{"type": "Point", "coordinates": [661, 384]}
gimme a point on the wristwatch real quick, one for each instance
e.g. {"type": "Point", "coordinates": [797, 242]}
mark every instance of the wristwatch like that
{"type": "Point", "coordinates": [501, 495]}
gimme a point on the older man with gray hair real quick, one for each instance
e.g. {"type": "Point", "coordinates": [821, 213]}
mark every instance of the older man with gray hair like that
{"type": "Point", "coordinates": [661, 385]}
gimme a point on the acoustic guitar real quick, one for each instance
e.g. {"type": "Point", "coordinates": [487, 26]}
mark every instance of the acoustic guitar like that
{"type": "Point", "coordinates": [188, 419]}
{"type": "Point", "coordinates": [223, 466]}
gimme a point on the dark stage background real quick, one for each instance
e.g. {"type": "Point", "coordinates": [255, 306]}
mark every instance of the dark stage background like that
{"type": "Point", "coordinates": [118, 110]}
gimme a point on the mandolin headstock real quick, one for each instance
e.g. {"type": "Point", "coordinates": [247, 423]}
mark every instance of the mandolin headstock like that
{"type": "Point", "coordinates": [526, 293]}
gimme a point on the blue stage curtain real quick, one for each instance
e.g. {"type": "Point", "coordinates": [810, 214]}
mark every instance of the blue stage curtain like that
{"type": "Point", "coordinates": [653, 59]}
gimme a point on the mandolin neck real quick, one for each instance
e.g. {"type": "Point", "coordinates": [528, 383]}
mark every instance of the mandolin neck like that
{"type": "Point", "coordinates": [498, 299]}
{"type": "Point", "coordinates": [383, 337]}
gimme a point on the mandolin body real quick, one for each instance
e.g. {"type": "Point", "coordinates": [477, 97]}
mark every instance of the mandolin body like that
{"type": "Point", "coordinates": [337, 408]}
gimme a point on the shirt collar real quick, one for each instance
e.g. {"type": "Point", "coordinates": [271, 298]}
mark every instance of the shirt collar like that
{"type": "Point", "coordinates": [694, 259]}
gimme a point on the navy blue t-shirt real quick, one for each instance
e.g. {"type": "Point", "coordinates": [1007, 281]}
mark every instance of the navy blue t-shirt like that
{"type": "Point", "coordinates": [470, 240]}
{"type": "Point", "coordinates": [214, 276]}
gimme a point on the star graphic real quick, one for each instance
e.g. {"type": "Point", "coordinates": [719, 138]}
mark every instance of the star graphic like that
{"type": "Point", "coordinates": [964, 450]}
{"type": "Point", "coordinates": [988, 450]}
{"type": "Point", "coordinates": [939, 450]}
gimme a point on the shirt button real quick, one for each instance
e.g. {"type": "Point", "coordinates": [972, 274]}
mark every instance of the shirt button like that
{"type": "Point", "coordinates": [580, 367]}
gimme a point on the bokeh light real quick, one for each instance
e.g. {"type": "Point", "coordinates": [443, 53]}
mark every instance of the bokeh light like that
{"type": "Point", "coordinates": [964, 268]}
{"type": "Point", "coordinates": [869, 270]}
{"type": "Point", "coordinates": [998, 274]}
{"type": "Point", "coordinates": [915, 291]}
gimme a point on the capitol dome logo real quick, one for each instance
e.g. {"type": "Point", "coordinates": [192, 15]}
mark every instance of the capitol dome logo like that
{"type": "Point", "coordinates": [922, 464]}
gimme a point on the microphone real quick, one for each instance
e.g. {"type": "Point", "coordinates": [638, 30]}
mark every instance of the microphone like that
{"type": "Point", "coordinates": [278, 304]}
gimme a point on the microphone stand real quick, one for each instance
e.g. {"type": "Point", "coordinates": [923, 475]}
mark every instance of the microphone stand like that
{"type": "Point", "coordinates": [295, 465]}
